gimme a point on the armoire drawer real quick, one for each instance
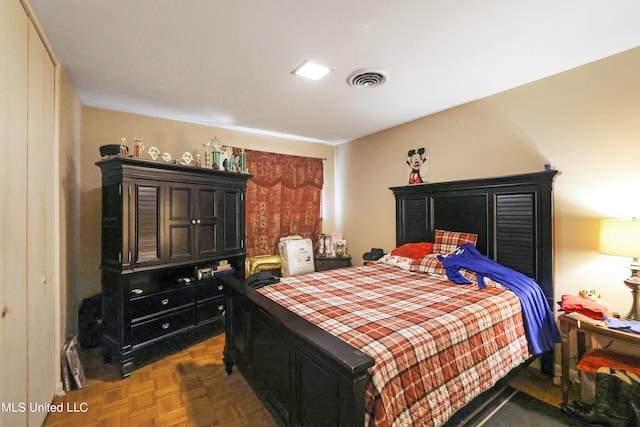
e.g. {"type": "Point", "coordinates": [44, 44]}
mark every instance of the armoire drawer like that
{"type": "Point", "coordinates": [209, 289]}
{"type": "Point", "coordinates": [156, 303]}
{"type": "Point", "coordinates": [153, 282]}
{"type": "Point", "coordinates": [210, 310]}
{"type": "Point", "coordinates": [163, 325]}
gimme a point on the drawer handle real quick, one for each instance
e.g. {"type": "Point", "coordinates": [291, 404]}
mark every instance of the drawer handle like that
{"type": "Point", "coordinates": [165, 325]}
{"type": "Point", "coordinates": [221, 307]}
{"type": "Point", "coordinates": [137, 291]}
{"type": "Point", "coordinates": [220, 287]}
{"type": "Point", "coordinates": [165, 301]}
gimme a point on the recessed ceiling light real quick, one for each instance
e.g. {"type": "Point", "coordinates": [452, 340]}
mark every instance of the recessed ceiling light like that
{"type": "Point", "coordinates": [311, 70]}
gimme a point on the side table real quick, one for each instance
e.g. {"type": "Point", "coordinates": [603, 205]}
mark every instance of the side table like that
{"type": "Point", "coordinates": [568, 324]}
{"type": "Point", "coordinates": [323, 263]}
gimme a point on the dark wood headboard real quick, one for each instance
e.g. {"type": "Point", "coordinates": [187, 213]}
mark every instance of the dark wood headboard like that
{"type": "Point", "coordinates": [512, 216]}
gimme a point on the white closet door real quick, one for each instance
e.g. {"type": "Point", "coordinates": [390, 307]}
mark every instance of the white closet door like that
{"type": "Point", "coordinates": [41, 220]}
{"type": "Point", "coordinates": [13, 210]}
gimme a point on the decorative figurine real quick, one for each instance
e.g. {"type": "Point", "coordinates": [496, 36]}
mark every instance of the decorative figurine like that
{"type": "Point", "coordinates": [207, 154]}
{"type": "Point", "coordinates": [228, 161]}
{"type": "Point", "coordinates": [154, 152]}
{"type": "Point", "coordinates": [217, 149]}
{"type": "Point", "coordinates": [198, 161]}
{"type": "Point", "coordinates": [139, 146]}
{"type": "Point", "coordinates": [243, 161]}
{"type": "Point", "coordinates": [186, 159]}
{"type": "Point", "coordinates": [124, 150]}
{"type": "Point", "coordinates": [590, 294]}
{"type": "Point", "coordinates": [166, 156]}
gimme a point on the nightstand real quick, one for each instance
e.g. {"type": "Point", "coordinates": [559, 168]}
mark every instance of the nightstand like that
{"type": "Point", "coordinates": [331, 262]}
{"type": "Point", "coordinates": [568, 324]}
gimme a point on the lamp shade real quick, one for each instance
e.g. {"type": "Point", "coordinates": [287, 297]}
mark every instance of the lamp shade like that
{"type": "Point", "coordinates": [620, 237]}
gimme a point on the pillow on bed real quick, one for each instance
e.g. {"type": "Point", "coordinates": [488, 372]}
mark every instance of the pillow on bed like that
{"type": "Point", "coordinates": [429, 264]}
{"type": "Point", "coordinates": [447, 241]}
{"type": "Point", "coordinates": [396, 261]}
{"type": "Point", "coordinates": [413, 250]}
{"type": "Point", "coordinates": [432, 266]}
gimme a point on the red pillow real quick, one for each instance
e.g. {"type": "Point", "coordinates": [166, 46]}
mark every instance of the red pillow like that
{"type": "Point", "coordinates": [413, 250]}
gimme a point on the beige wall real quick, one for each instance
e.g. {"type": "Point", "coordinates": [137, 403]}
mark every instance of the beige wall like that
{"type": "Point", "coordinates": [101, 127]}
{"type": "Point", "coordinates": [465, 142]}
{"type": "Point", "coordinates": [586, 121]}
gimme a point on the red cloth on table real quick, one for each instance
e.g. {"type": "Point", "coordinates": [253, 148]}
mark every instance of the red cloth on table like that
{"type": "Point", "coordinates": [574, 303]}
{"type": "Point", "coordinates": [600, 357]}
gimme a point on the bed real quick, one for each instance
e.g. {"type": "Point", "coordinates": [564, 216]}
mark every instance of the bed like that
{"type": "Point", "coordinates": [308, 365]}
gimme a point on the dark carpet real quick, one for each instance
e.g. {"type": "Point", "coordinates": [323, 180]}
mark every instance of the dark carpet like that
{"type": "Point", "coordinates": [515, 408]}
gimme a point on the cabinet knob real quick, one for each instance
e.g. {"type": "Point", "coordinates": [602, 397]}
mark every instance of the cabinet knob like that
{"type": "Point", "coordinates": [221, 307]}
{"type": "Point", "coordinates": [137, 291]}
{"type": "Point", "coordinates": [165, 301]}
{"type": "Point", "coordinates": [165, 325]}
{"type": "Point", "coordinates": [198, 221]}
{"type": "Point", "coordinates": [193, 221]}
{"type": "Point", "coordinates": [220, 287]}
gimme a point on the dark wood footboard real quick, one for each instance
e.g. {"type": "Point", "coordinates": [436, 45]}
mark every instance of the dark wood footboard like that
{"type": "Point", "coordinates": [304, 375]}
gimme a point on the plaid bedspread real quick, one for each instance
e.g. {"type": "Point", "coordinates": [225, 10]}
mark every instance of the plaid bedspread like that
{"type": "Point", "coordinates": [436, 345]}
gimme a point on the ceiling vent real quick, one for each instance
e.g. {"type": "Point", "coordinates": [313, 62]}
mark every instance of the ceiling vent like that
{"type": "Point", "coordinates": [367, 77]}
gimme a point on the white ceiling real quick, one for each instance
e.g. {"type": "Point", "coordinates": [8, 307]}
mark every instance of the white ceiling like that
{"type": "Point", "coordinates": [228, 62]}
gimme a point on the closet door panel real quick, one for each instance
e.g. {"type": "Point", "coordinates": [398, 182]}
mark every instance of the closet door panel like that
{"type": "Point", "coordinates": [41, 231]}
{"type": "Point", "coordinates": [13, 193]}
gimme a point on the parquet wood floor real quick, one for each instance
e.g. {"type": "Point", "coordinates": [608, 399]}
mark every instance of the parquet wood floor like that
{"type": "Point", "coordinates": [190, 388]}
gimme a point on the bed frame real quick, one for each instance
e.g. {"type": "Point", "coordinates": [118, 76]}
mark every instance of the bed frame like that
{"type": "Point", "coordinates": [308, 377]}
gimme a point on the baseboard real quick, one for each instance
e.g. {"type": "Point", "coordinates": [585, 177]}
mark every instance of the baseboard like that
{"type": "Point", "coordinates": [59, 391]}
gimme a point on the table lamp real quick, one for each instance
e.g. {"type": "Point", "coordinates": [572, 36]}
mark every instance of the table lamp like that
{"type": "Point", "coordinates": [621, 237]}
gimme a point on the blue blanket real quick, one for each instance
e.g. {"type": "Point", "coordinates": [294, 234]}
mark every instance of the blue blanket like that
{"type": "Point", "coordinates": [539, 324]}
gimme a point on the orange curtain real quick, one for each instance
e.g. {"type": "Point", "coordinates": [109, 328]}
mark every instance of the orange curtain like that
{"type": "Point", "coordinates": [283, 199]}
